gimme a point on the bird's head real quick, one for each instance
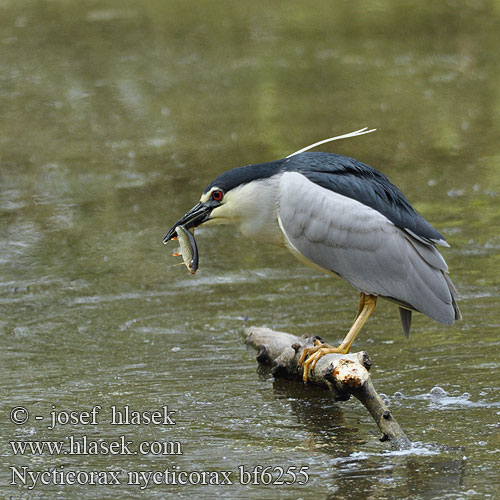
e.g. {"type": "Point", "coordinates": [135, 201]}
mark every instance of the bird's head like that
{"type": "Point", "coordinates": [204, 212]}
{"type": "Point", "coordinates": [244, 196]}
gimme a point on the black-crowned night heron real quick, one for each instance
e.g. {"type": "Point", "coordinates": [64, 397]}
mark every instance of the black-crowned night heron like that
{"type": "Point", "coordinates": [341, 217]}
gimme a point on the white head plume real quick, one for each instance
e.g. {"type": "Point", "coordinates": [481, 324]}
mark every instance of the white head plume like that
{"type": "Point", "coordinates": [361, 131]}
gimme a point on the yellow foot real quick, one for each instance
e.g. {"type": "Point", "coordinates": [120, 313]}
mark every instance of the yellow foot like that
{"type": "Point", "coordinates": [313, 354]}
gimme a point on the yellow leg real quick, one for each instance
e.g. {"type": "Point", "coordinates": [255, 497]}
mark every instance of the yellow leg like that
{"type": "Point", "coordinates": [361, 304]}
{"type": "Point", "coordinates": [313, 354]}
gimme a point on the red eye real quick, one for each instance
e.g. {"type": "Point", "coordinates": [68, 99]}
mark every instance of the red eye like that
{"type": "Point", "coordinates": [217, 195]}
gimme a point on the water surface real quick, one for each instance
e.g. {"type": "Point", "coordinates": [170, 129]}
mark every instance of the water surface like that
{"type": "Point", "coordinates": [115, 115]}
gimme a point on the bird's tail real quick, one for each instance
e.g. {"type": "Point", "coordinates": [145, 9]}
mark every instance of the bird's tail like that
{"type": "Point", "coordinates": [405, 315]}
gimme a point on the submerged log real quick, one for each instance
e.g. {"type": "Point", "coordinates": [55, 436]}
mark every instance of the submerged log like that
{"type": "Point", "coordinates": [343, 374]}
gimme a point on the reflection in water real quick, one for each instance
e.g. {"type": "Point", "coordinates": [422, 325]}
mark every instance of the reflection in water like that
{"type": "Point", "coordinates": [115, 116]}
{"type": "Point", "coordinates": [315, 410]}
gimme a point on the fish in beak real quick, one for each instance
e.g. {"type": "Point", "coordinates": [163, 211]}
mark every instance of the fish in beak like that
{"type": "Point", "coordinates": [199, 214]}
{"type": "Point", "coordinates": [188, 248]}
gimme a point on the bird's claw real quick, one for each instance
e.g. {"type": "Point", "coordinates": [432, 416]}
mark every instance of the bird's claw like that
{"type": "Point", "coordinates": [311, 355]}
{"type": "Point", "coordinates": [309, 350]}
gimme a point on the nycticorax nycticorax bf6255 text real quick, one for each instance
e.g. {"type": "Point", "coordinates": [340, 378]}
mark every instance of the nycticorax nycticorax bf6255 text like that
{"type": "Point", "coordinates": [344, 218]}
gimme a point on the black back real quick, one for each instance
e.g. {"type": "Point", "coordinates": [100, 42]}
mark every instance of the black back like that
{"type": "Point", "coordinates": [343, 175]}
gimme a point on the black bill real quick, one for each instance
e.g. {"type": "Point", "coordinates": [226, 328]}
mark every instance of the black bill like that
{"type": "Point", "coordinates": [193, 218]}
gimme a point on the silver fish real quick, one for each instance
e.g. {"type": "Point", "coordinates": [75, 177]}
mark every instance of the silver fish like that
{"type": "Point", "coordinates": [188, 248]}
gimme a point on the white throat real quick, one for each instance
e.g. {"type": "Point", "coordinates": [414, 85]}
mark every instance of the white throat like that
{"type": "Point", "coordinates": [254, 208]}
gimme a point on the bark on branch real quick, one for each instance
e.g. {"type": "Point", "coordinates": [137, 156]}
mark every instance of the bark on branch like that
{"type": "Point", "coordinates": [343, 374]}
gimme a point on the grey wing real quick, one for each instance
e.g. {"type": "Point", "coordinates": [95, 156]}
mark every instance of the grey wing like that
{"type": "Point", "coordinates": [362, 246]}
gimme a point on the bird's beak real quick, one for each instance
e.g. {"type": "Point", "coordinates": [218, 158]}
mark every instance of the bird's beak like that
{"type": "Point", "coordinates": [199, 214]}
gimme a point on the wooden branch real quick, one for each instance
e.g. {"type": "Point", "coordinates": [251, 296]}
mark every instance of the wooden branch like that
{"type": "Point", "coordinates": [343, 374]}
